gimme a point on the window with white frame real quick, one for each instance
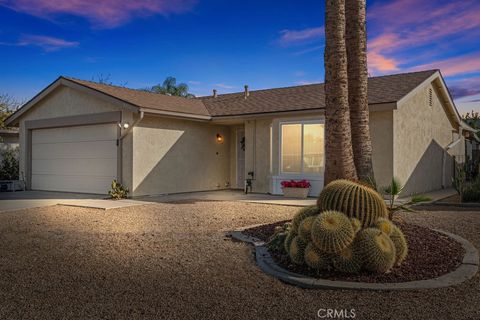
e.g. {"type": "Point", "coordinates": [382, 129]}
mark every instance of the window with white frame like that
{"type": "Point", "coordinates": [302, 147]}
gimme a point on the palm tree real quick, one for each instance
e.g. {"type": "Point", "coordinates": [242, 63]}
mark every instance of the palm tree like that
{"type": "Point", "coordinates": [170, 87]}
{"type": "Point", "coordinates": [339, 162]}
{"type": "Point", "coordinates": [356, 43]}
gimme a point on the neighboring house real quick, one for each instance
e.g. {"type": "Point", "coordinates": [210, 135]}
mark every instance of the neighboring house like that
{"type": "Point", "coordinates": [74, 137]}
{"type": "Point", "coordinates": [8, 140]}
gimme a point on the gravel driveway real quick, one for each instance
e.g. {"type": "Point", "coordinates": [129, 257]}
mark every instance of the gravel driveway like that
{"type": "Point", "coordinates": [172, 261]}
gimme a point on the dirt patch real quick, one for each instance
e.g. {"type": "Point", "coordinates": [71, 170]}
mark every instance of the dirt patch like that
{"type": "Point", "coordinates": [431, 254]}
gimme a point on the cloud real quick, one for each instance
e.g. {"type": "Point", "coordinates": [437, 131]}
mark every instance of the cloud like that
{"type": "Point", "coordinates": [465, 89]}
{"type": "Point", "coordinates": [460, 65]}
{"type": "Point", "coordinates": [101, 13]}
{"type": "Point", "coordinates": [48, 44]}
{"type": "Point", "coordinates": [417, 29]}
{"type": "Point", "coordinates": [289, 37]}
{"type": "Point", "coordinates": [194, 83]}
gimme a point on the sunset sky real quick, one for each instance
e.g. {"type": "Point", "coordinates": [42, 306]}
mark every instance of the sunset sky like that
{"type": "Point", "coordinates": [218, 44]}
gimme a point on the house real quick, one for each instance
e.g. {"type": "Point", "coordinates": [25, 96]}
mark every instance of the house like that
{"type": "Point", "coordinates": [8, 140]}
{"type": "Point", "coordinates": [78, 135]}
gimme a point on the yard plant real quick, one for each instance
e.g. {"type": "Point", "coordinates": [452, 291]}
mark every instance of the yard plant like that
{"type": "Point", "coordinates": [349, 231]}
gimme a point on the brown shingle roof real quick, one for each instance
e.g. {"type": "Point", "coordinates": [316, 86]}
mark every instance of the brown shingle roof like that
{"type": "Point", "coordinates": [381, 89]}
{"type": "Point", "coordinates": [148, 100]}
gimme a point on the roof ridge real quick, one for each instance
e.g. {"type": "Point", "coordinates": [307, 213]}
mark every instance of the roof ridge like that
{"type": "Point", "coordinates": [313, 84]}
{"type": "Point", "coordinates": [77, 80]}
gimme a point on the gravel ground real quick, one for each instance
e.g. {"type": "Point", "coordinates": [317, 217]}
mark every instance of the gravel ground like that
{"type": "Point", "coordinates": [172, 261]}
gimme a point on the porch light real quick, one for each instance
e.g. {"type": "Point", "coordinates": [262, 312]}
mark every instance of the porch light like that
{"type": "Point", "coordinates": [219, 138]}
{"type": "Point", "coordinates": [125, 125]}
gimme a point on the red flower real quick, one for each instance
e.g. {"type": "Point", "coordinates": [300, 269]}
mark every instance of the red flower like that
{"type": "Point", "coordinates": [295, 184]}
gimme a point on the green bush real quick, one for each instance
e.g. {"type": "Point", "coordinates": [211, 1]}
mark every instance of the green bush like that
{"type": "Point", "coordinates": [420, 198]}
{"type": "Point", "coordinates": [9, 166]}
{"type": "Point", "coordinates": [118, 191]}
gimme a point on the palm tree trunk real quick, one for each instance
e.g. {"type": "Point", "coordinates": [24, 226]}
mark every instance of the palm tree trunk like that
{"type": "Point", "coordinates": [356, 42]}
{"type": "Point", "coordinates": [339, 162]}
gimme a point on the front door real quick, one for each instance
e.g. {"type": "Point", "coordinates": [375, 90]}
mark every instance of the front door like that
{"type": "Point", "coordinates": [240, 149]}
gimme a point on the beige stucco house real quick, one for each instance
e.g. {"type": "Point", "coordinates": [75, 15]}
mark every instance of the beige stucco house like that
{"type": "Point", "coordinates": [78, 135]}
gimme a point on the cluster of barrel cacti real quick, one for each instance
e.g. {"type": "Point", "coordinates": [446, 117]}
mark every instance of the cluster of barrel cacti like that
{"type": "Point", "coordinates": [348, 231]}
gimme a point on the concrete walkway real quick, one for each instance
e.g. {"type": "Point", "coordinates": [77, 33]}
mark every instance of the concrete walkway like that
{"type": "Point", "coordinates": [10, 201]}
{"type": "Point", "coordinates": [230, 195]}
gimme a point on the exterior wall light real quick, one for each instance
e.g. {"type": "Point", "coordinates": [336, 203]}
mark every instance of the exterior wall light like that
{"type": "Point", "coordinates": [219, 138]}
{"type": "Point", "coordinates": [125, 125]}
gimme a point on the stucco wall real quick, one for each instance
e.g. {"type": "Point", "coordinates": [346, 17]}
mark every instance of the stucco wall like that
{"type": "Point", "coordinates": [64, 102]}
{"type": "Point", "coordinates": [258, 157]}
{"type": "Point", "coordinates": [381, 132]}
{"type": "Point", "coordinates": [421, 132]}
{"type": "Point", "coordinates": [171, 156]}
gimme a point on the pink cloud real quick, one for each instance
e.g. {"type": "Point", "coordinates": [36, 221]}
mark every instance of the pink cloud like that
{"type": "Point", "coordinates": [465, 88]}
{"type": "Point", "coordinates": [300, 36]}
{"type": "Point", "coordinates": [416, 24]}
{"type": "Point", "coordinates": [377, 63]}
{"type": "Point", "coordinates": [454, 66]}
{"type": "Point", "coordinates": [101, 13]}
{"type": "Point", "coordinates": [47, 43]}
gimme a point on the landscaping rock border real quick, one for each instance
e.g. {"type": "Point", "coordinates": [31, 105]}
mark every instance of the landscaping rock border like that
{"type": "Point", "coordinates": [467, 269]}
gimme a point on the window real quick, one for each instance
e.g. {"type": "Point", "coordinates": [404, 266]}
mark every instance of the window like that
{"type": "Point", "coordinates": [302, 147]}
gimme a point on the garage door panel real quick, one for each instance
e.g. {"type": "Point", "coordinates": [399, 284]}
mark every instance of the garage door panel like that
{"type": "Point", "coordinates": [74, 150]}
{"type": "Point", "coordinates": [84, 184]}
{"type": "Point", "coordinates": [76, 134]}
{"type": "Point", "coordinates": [85, 167]}
{"type": "Point", "coordinates": [74, 159]}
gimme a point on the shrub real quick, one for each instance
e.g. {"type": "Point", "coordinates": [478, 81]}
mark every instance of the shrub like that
{"type": "Point", "coordinates": [420, 198]}
{"type": "Point", "coordinates": [9, 166]}
{"type": "Point", "coordinates": [354, 200]}
{"type": "Point", "coordinates": [277, 240]}
{"type": "Point", "coordinates": [332, 231]}
{"type": "Point", "coordinates": [118, 191]}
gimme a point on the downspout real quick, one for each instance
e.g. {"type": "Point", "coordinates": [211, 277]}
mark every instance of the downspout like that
{"type": "Point", "coordinates": [120, 144]}
{"type": "Point", "coordinates": [444, 157]}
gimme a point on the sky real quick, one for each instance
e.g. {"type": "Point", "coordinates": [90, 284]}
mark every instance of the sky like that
{"type": "Point", "coordinates": [223, 45]}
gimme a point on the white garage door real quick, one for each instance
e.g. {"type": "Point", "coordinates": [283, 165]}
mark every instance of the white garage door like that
{"type": "Point", "coordinates": [74, 159]}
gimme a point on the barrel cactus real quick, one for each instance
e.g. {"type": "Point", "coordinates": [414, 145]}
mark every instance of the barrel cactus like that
{"type": "Point", "coordinates": [376, 249]}
{"type": "Point", "coordinates": [356, 224]}
{"type": "Point", "coordinates": [332, 231]}
{"type": "Point", "coordinates": [288, 240]}
{"type": "Point", "coordinates": [348, 260]}
{"type": "Point", "coordinates": [353, 199]}
{"type": "Point", "coordinates": [302, 214]}
{"type": "Point", "coordinates": [385, 225]}
{"type": "Point", "coordinates": [315, 258]}
{"type": "Point", "coordinates": [400, 243]}
{"type": "Point", "coordinates": [297, 250]}
{"type": "Point", "coordinates": [305, 229]}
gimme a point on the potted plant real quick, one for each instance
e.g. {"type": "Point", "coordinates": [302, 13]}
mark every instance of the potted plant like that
{"type": "Point", "coordinates": [295, 189]}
